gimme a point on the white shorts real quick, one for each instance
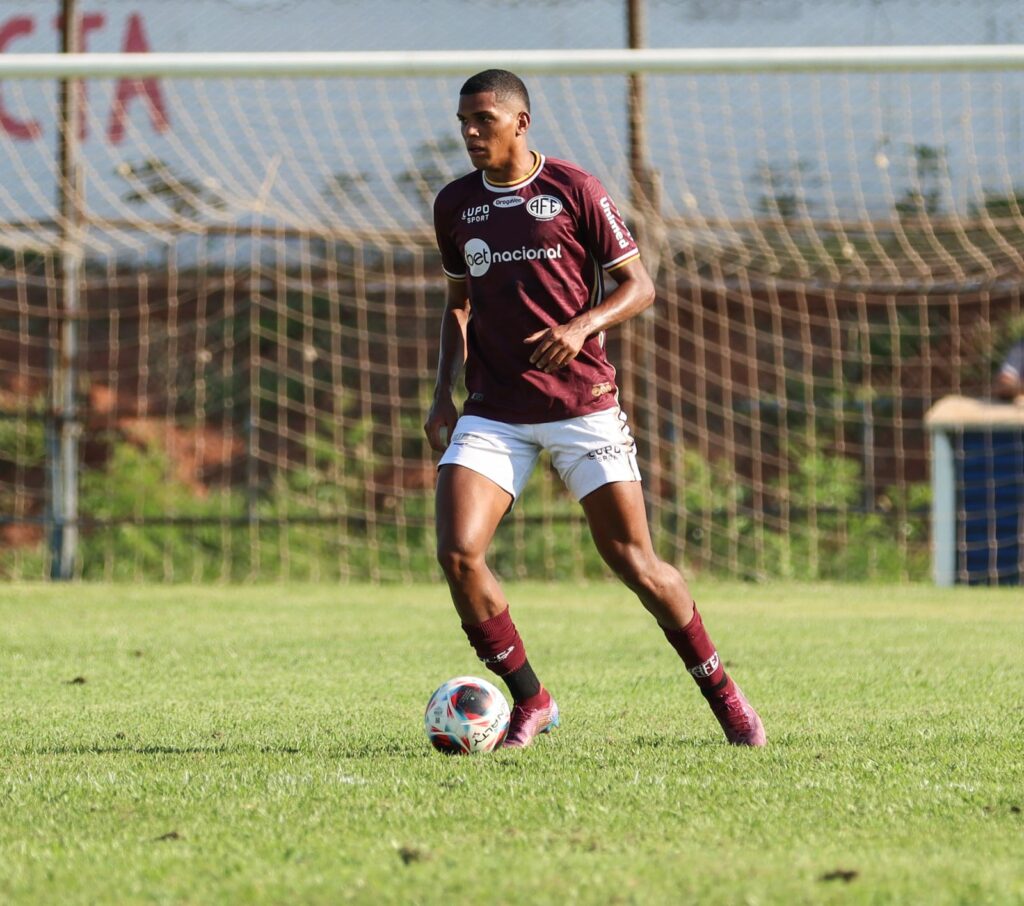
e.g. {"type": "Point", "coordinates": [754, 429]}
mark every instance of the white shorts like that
{"type": "Point", "coordinates": [588, 451]}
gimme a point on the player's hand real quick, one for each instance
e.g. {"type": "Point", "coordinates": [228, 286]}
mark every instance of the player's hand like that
{"type": "Point", "coordinates": [440, 423]}
{"type": "Point", "coordinates": [556, 346]}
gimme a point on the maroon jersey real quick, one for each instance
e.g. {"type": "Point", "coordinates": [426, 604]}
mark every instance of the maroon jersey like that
{"type": "Point", "coordinates": [533, 254]}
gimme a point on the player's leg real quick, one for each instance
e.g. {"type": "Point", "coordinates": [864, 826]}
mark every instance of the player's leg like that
{"type": "Point", "coordinates": [596, 457]}
{"type": "Point", "coordinates": [468, 510]}
{"type": "Point", "coordinates": [618, 523]}
{"type": "Point", "coordinates": [469, 507]}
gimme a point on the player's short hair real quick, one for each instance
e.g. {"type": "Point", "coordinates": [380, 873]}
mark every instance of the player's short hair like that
{"type": "Point", "coordinates": [503, 83]}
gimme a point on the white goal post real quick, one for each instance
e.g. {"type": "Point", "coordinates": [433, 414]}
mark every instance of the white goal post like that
{"type": "Point", "coordinates": [945, 58]}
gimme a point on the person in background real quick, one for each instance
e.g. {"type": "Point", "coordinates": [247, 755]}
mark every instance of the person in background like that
{"type": "Point", "coordinates": [1009, 384]}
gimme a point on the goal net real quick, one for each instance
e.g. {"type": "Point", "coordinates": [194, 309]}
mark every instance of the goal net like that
{"type": "Point", "coordinates": [220, 300]}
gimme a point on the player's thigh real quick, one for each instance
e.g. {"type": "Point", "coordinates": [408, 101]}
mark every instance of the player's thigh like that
{"type": "Point", "coordinates": [618, 524]}
{"type": "Point", "coordinates": [468, 509]}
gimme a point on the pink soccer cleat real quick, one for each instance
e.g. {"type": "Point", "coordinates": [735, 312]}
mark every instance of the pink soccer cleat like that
{"type": "Point", "coordinates": [525, 724]}
{"type": "Point", "coordinates": [739, 720]}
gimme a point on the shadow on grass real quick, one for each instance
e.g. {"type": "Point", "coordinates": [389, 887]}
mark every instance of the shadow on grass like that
{"type": "Point", "coordinates": [332, 749]}
{"type": "Point", "coordinates": [221, 749]}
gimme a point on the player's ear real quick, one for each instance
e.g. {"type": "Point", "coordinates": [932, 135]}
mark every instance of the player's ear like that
{"type": "Point", "coordinates": [523, 122]}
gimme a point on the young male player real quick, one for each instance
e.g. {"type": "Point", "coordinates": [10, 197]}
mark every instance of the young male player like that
{"type": "Point", "coordinates": [524, 242]}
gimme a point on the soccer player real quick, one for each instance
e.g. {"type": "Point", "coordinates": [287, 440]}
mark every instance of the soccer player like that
{"type": "Point", "coordinates": [524, 242]}
{"type": "Point", "coordinates": [1010, 379]}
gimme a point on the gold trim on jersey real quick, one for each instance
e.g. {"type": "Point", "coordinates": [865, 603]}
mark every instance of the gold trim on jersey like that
{"type": "Point", "coordinates": [537, 161]}
{"type": "Point", "coordinates": [626, 260]}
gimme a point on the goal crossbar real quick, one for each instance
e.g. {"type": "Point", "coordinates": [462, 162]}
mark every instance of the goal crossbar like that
{"type": "Point", "coordinates": [555, 62]}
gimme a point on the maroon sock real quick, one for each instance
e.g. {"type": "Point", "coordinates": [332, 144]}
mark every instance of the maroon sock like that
{"type": "Point", "coordinates": [497, 643]}
{"type": "Point", "coordinates": [698, 653]}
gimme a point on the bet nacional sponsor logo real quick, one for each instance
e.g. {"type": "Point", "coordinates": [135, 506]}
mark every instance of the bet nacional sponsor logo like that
{"type": "Point", "coordinates": [479, 256]}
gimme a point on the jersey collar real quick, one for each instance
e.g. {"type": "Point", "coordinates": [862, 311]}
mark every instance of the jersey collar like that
{"type": "Point", "coordinates": [538, 165]}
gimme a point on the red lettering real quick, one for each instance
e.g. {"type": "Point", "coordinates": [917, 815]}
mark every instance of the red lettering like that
{"type": "Point", "coordinates": [89, 22]}
{"type": "Point", "coordinates": [27, 130]}
{"type": "Point", "coordinates": [135, 42]}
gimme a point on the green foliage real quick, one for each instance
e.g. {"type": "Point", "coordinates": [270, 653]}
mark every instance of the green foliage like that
{"type": "Point", "coordinates": [783, 188]}
{"type": "Point", "coordinates": [929, 168]}
{"type": "Point", "coordinates": [315, 521]}
{"type": "Point", "coordinates": [708, 486]}
{"type": "Point", "coordinates": [437, 159]}
{"type": "Point", "coordinates": [324, 521]}
{"type": "Point", "coordinates": [23, 441]}
{"type": "Point", "coordinates": [22, 260]}
{"type": "Point", "coordinates": [153, 179]}
{"type": "Point", "coordinates": [999, 205]}
{"type": "Point", "coordinates": [986, 345]}
{"type": "Point", "coordinates": [826, 534]}
{"type": "Point", "coordinates": [138, 484]}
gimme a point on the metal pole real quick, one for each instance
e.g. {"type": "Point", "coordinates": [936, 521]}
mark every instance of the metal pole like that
{"type": "Point", "coordinates": [642, 189]}
{"type": "Point", "coordinates": [644, 203]}
{"type": "Point", "coordinates": [64, 425]}
{"type": "Point", "coordinates": [944, 516]}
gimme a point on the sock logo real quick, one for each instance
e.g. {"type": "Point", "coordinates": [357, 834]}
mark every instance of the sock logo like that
{"type": "Point", "coordinates": [500, 656]}
{"type": "Point", "coordinates": [707, 668]}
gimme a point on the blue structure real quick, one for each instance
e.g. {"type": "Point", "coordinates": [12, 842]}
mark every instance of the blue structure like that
{"type": "Point", "coordinates": [977, 492]}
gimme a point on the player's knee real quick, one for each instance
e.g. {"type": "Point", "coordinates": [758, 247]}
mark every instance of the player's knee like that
{"type": "Point", "coordinates": [457, 562]}
{"type": "Point", "coordinates": [637, 568]}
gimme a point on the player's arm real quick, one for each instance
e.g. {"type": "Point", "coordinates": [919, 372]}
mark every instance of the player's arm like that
{"type": "Point", "coordinates": [450, 361]}
{"type": "Point", "coordinates": [559, 345]}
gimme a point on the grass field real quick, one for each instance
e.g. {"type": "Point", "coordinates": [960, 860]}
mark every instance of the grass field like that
{"type": "Point", "coordinates": [265, 745]}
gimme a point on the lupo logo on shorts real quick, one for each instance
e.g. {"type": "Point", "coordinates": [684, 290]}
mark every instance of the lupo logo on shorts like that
{"type": "Point", "coordinates": [607, 454]}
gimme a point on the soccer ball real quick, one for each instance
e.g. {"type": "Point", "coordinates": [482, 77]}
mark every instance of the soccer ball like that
{"type": "Point", "coordinates": [465, 715]}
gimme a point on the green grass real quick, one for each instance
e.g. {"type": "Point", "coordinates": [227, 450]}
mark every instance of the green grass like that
{"type": "Point", "coordinates": [265, 745]}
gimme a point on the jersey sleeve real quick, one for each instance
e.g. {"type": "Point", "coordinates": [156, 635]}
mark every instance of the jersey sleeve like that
{"type": "Point", "coordinates": [606, 232]}
{"type": "Point", "coordinates": [452, 263]}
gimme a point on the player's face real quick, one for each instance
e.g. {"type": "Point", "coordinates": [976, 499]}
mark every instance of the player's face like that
{"type": "Point", "coordinates": [492, 130]}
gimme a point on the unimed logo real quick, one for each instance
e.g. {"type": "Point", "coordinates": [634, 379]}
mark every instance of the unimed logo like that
{"type": "Point", "coordinates": [479, 256]}
{"type": "Point", "coordinates": [622, 236]}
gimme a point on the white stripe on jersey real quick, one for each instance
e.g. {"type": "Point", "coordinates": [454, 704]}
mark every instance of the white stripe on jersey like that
{"type": "Point", "coordinates": [631, 254]}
